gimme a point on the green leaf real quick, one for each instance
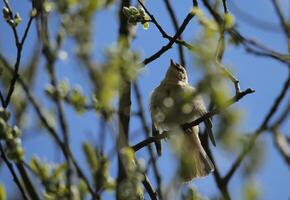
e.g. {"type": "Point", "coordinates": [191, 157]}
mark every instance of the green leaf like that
{"type": "Point", "coordinates": [78, 100]}
{"type": "Point", "coordinates": [146, 25]}
{"type": "Point", "coordinates": [2, 192]}
{"type": "Point", "coordinates": [91, 156]}
{"type": "Point", "coordinates": [229, 20]}
{"type": "Point", "coordinates": [191, 194]}
{"type": "Point", "coordinates": [252, 190]}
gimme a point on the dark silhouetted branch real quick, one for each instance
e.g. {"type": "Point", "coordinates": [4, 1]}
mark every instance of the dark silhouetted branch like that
{"type": "Point", "coordinates": [171, 42]}
{"type": "Point", "coordinates": [176, 25]}
{"type": "Point", "coordinates": [259, 131]}
{"type": "Point", "coordinates": [165, 134]}
{"type": "Point", "coordinates": [13, 173]}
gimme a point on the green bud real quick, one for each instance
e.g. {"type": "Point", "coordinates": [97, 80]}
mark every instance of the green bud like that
{"type": "Point", "coordinates": [11, 22]}
{"type": "Point", "coordinates": [17, 19]}
{"type": "Point", "coordinates": [78, 100]}
{"type": "Point", "coordinates": [33, 12]}
{"type": "Point", "coordinates": [133, 21]}
{"type": "Point", "coordinates": [64, 88]}
{"type": "Point", "coordinates": [142, 12]}
{"type": "Point", "coordinates": [133, 10]}
{"type": "Point", "coordinates": [48, 6]}
{"type": "Point", "coordinates": [3, 128]}
{"type": "Point", "coordinates": [8, 135]}
{"type": "Point", "coordinates": [15, 143]}
{"type": "Point", "coordinates": [16, 154]}
{"type": "Point", "coordinates": [196, 11]}
{"type": "Point", "coordinates": [50, 90]}
{"type": "Point", "coordinates": [4, 114]}
{"type": "Point", "coordinates": [126, 12]}
{"type": "Point", "coordinates": [6, 13]}
{"type": "Point", "coordinates": [16, 132]}
{"type": "Point", "coordinates": [146, 25]}
{"type": "Point", "coordinates": [229, 20]}
{"type": "Point", "coordinates": [2, 192]}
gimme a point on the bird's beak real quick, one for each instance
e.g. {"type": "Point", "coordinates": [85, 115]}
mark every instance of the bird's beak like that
{"type": "Point", "coordinates": [172, 62]}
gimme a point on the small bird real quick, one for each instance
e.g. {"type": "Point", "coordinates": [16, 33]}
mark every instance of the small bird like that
{"type": "Point", "coordinates": [173, 104]}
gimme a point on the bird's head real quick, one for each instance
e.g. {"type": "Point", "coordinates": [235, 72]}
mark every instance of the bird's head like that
{"type": "Point", "coordinates": [176, 73]}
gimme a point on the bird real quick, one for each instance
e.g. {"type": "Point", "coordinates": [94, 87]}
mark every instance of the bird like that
{"type": "Point", "coordinates": [173, 104]}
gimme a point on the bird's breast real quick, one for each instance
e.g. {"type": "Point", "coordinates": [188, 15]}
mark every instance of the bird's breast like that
{"type": "Point", "coordinates": [172, 106]}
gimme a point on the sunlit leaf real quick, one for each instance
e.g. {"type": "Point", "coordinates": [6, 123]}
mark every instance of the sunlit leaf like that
{"type": "Point", "coordinates": [2, 192]}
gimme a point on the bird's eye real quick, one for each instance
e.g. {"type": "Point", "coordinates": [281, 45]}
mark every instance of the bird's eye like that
{"type": "Point", "coordinates": [179, 69]}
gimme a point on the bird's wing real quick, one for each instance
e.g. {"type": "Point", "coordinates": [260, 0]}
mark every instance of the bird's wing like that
{"type": "Point", "coordinates": [208, 126]}
{"type": "Point", "coordinates": [201, 109]}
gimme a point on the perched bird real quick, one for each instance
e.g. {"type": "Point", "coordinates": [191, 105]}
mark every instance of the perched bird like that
{"type": "Point", "coordinates": [173, 104]}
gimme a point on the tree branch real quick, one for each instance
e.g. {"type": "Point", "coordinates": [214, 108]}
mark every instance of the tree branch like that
{"type": "Point", "coordinates": [49, 128]}
{"type": "Point", "coordinates": [166, 134]}
{"type": "Point", "coordinates": [282, 145]}
{"type": "Point", "coordinates": [176, 25]}
{"type": "Point", "coordinates": [146, 130]}
{"type": "Point", "coordinates": [259, 131]}
{"type": "Point", "coordinates": [171, 42]}
{"type": "Point", "coordinates": [13, 173]}
{"type": "Point", "coordinates": [283, 21]}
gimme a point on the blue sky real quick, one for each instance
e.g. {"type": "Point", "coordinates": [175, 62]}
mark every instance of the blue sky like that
{"type": "Point", "coordinates": [266, 76]}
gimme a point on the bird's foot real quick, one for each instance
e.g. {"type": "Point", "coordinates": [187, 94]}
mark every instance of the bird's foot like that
{"type": "Point", "coordinates": [186, 128]}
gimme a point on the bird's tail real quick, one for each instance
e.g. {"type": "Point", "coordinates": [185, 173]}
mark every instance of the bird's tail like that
{"type": "Point", "coordinates": [194, 162]}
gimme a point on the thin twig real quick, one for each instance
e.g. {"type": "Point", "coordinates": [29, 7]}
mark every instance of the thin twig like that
{"type": "Point", "coordinates": [153, 20]}
{"type": "Point", "coordinates": [166, 134]}
{"type": "Point", "coordinates": [49, 128]}
{"type": "Point", "coordinates": [217, 176]}
{"type": "Point", "coordinates": [282, 117]}
{"type": "Point", "coordinates": [171, 42]}
{"type": "Point", "coordinates": [5, 102]}
{"type": "Point", "coordinates": [51, 59]}
{"type": "Point", "coordinates": [146, 130]}
{"type": "Point", "coordinates": [219, 56]}
{"type": "Point", "coordinates": [2, 98]}
{"type": "Point", "coordinates": [249, 44]}
{"type": "Point", "coordinates": [283, 21]}
{"type": "Point", "coordinates": [17, 63]}
{"type": "Point", "coordinates": [149, 188]}
{"type": "Point", "coordinates": [27, 182]}
{"type": "Point", "coordinates": [259, 131]}
{"type": "Point", "coordinates": [257, 23]}
{"type": "Point", "coordinates": [13, 173]}
{"type": "Point", "coordinates": [225, 6]}
{"type": "Point", "coordinates": [124, 108]}
{"type": "Point", "coordinates": [176, 25]}
{"type": "Point", "coordinates": [16, 37]}
{"type": "Point", "coordinates": [282, 145]}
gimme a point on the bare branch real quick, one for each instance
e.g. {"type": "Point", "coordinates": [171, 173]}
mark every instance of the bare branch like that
{"type": "Point", "coordinates": [225, 6]}
{"type": "Point", "coordinates": [166, 134]}
{"type": "Point", "coordinates": [282, 145]}
{"type": "Point", "coordinates": [219, 55]}
{"type": "Point", "coordinates": [146, 130]}
{"type": "Point", "coordinates": [176, 25]}
{"type": "Point", "coordinates": [149, 188]}
{"type": "Point", "coordinates": [18, 58]}
{"type": "Point", "coordinates": [13, 173]}
{"type": "Point", "coordinates": [171, 42]}
{"type": "Point", "coordinates": [283, 21]}
{"type": "Point", "coordinates": [49, 128]}
{"type": "Point", "coordinates": [283, 117]}
{"type": "Point", "coordinates": [259, 131]}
